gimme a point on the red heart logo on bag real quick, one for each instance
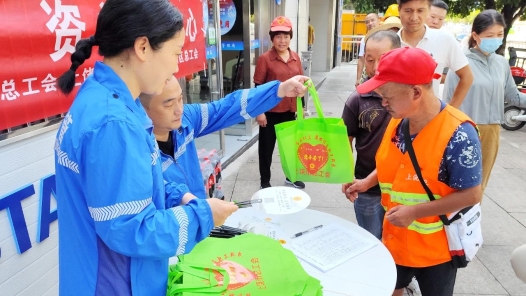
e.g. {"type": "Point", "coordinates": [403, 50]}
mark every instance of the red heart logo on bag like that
{"type": "Point", "coordinates": [313, 158]}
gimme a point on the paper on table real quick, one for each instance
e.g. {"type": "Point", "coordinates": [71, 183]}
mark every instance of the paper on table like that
{"type": "Point", "coordinates": [280, 200]}
{"type": "Point", "coordinates": [330, 246]}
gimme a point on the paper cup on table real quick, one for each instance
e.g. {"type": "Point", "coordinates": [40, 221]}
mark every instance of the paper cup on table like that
{"type": "Point", "coordinates": [280, 200]}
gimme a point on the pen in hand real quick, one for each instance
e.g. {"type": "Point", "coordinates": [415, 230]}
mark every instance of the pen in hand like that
{"type": "Point", "coordinates": [307, 231]}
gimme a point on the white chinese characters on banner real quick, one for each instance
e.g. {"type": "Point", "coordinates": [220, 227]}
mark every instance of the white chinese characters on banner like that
{"type": "Point", "coordinates": [48, 84]}
{"type": "Point", "coordinates": [191, 26]}
{"type": "Point", "coordinates": [8, 90]}
{"type": "Point", "coordinates": [30, 90]}
{"type": "Point", "coordinates": [63, 17]}
{"type": "Point", "coordinates": [188, 54]}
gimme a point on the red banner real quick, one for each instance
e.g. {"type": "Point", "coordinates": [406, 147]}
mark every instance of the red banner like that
{"type": "Point", "coordinates": [38, 37]}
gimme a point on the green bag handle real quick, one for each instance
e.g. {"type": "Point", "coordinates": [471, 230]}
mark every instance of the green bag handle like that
{"type": "Point", "coordinates": [180, 269]}
{"type": "Point", "coordinates": [314, 94]}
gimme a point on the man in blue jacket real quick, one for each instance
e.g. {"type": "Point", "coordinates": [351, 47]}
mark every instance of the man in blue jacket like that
{"type": "Point", "coordinates": [175, 128]}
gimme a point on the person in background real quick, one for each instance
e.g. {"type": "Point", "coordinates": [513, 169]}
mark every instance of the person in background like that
{"type": "Point", "coordinates": [279, 63]}
{"type": "Point", "coordinates": [371, 20]}
{"type": "Point", "coordinates": [492, 86]}
{"type": "Point", "coordinates": [437, 14]}
{"type": "Point", "coordinates": [435, 20]}
{"type": "Point", "coordinates": [447, 147]}
{"type": "Point", "coordinates": [176, 126]}
{"type": "Point", "coordinates": [311, 37]}
{"type": "Point", "coordinates": [440, 44]}
{"type": "Point", "coordinates": [366, 120]}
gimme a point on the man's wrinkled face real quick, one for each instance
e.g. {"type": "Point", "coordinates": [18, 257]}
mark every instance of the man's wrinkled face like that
{"type": "Point", "coordinates": [397, 99]}
{"type": "Point", "coordinates": [373, 52]}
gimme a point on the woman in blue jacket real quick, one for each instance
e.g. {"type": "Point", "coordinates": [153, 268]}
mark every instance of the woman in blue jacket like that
{"type": "Point", "coordinates": [175, 127]}
{"type": "Point", "coordinates": [115, 231]}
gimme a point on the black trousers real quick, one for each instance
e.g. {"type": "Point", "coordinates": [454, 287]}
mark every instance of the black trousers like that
{"type": "Point", "coordinates": [267, 141]}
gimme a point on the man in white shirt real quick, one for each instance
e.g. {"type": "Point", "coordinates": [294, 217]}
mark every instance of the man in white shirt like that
{"type": "Point", "coordinates": [440, 44]}
{"type": "Point", "coordinates": [371, 20]}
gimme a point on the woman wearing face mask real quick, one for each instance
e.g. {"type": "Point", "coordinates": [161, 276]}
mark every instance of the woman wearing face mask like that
{"type": "Point", "coordinates": [492, 85]}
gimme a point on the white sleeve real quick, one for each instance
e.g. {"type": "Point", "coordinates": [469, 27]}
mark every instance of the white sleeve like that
{"type": "Point", "coordinates": [362, 47]}
{"type": "Point", "coordinates": [456, 58]}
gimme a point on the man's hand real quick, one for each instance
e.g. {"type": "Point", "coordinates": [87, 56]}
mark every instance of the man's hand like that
{"type": "Point", "coordinates": [401, 216]}
{"type": "Point", "coordinates": [351, 190]}
{"type": "Point", "coordinates": [221, 210]}
{"type": "Point", "coordinates": [293, 87]}
{"type": "Point", "coordinates": [262, 120]}
{"type": "Point", "coordinates": [187, 197]}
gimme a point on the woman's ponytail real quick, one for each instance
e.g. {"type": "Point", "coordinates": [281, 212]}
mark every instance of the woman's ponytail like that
{"type": "Point", "coordinates": [66, 81]}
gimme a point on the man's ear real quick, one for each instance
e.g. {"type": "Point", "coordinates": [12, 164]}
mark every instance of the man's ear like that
{"type": "Point", "coordinates": [417, 92]}
{"type": "Point", "coordinates": [141, 47]}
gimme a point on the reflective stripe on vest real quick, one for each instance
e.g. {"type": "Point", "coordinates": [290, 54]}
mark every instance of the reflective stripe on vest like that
{"type": "Point", "coordinates": [426, 228]}
{"type": "Point", "coordinates": [410, 199]}
{"type": "Point", "coordinates": [405, 198]}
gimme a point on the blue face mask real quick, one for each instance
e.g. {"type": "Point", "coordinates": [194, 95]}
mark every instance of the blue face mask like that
{"type": "Point", "coordinates": [489, 45]}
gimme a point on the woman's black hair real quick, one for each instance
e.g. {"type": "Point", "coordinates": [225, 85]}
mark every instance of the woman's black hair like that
{"type": "Point", "coordinates": [275, 33]}
{"type": "Point", "coordinates": [119, 24]}
{"type": "Point", "coordinates": [483, 21]}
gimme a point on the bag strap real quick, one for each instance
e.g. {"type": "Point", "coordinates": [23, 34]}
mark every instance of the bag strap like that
{"type": "Point", "coordinates": [201, 271]}
{"type": "Point", "coordinates": [314, 94]}
{"type": "Point", "coordinates": [411, 151]}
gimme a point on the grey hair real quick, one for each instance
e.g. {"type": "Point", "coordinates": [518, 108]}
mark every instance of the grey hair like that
{"type": "Point", "coordinates": [386, 34]}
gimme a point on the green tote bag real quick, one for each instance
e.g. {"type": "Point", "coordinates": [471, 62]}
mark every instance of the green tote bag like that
{"type": "Point", "coordinates": [315, 149]}
{"type": "Point", "coordinates": [248, 264]}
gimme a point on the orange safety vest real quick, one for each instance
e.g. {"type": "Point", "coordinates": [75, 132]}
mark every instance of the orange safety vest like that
{"type": "Point", "coordinates": [424, 242]}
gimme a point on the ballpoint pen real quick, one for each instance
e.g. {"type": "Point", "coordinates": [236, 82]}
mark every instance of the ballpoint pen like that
{"type": "Point", "coordinates": [248, 203]}
{"type": "Point", "coordinates": [307, 231]}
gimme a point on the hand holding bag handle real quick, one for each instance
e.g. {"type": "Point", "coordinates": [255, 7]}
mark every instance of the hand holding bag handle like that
{"type": "Point", "coordinates": [314, 94]}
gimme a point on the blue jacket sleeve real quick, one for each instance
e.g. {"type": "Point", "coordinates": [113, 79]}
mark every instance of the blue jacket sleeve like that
{"type": "Point", "coordinates": [175, 193]}
{"type": "Point", "coordinates": [128, 212]}
{"type": "Point", "coordinates": [234, 108]}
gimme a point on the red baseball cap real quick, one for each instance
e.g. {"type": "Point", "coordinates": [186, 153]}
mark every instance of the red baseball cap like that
{"type": "Point", "coordinates": [405, 65]}
{"type": "Point", "coordinates": [281, 24]}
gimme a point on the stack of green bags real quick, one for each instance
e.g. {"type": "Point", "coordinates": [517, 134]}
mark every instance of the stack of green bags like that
{"type": "Point", "coordinates": [248, 264]}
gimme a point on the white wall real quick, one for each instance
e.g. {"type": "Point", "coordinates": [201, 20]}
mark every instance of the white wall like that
{"type": "Point", "coordinates": [34, 272]}
{"type": "Point", "coordinates": [297, 12]}
{"type": "Point", "coordinates": [322, 18]}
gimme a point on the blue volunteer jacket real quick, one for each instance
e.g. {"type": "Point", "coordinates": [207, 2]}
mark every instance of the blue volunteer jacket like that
{"type": "Point", "coordinates": [183, 173]}
{"type": "Point", "coordinates": [115, 231]}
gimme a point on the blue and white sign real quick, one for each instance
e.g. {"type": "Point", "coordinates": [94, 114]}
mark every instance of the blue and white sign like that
{"type": "Point", "coordinates": [232, 45]}
{"type": "Point", "coordinates": [227, 15]}
{"type": "Point", "coordinates": [211, 52]}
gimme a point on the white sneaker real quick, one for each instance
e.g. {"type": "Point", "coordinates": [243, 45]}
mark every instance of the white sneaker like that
{"type": "Point", "coordinates": [413, 289]}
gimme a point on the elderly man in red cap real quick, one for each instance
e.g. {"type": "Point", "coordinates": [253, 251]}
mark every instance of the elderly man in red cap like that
{"type": "Point", "coordinates": [447, 149]}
